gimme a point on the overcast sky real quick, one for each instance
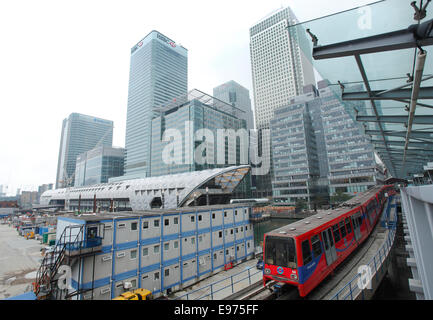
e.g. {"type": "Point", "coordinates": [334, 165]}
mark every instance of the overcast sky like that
{"type": "Point", "coordinates": [59, 57]}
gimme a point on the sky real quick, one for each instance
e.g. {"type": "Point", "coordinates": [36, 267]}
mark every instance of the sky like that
{"type": "Point", "coordinates": [59, 57]}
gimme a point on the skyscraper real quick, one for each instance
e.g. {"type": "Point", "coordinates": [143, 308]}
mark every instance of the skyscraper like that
{"type": "Point", "coordinates": [279, 67]}
{"type": "Point", "coordinates": [280, 70]}
{"type": "Point", "coordinates": [158, 73]}
{"type": "Point", "coordinates": [238, 96]}
{"type": "Point", "coordinates": [80, 133]}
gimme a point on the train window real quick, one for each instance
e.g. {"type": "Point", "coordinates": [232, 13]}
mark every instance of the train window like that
{"type": "Point", "coordinates": [342, 229]}
{"type": "Point", "coordinates": [306, 252]}
{"type": "Point", "coordinates": [317, 248]}
{"type": "Point", "coordinates": [336, 233]}
{"type": "Point", "coordinates": [325, 240]}
{"type": "Point", "coordinates": [348, 226]}
{"type": "Point", "coordinates": [280, 251]}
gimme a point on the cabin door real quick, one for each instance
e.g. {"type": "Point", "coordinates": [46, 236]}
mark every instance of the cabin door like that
{"type": "Point", "coordinates": [356, 225]}
{"type": "Point", "coordinates": [329, 246]}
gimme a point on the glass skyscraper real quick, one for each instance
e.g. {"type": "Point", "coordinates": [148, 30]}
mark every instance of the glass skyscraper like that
{"type": "Point", "coordinates": [237, 95]}
{"type": "Point", "coordinates": [158, 73]}
{"type": "Point", "coordinates": [80, 133]}
{"type": "Point", "coordinates": [98, 165]}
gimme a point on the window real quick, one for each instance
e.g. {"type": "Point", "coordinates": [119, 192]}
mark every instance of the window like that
{"type": "Point", "coordinates": [156, 249]}
{"type": "Point", "coordinates": [200, 238]}
{"type": "Point", "coordinates": [227, 251]}
{"type": "Point", "coordinates": [133, 254]}
{"type": "Point", "coordinates": [280, 251]}
{"type": "Point", "coordinates": [213, 215]}
{"type": "Point", "coordinates": [176, 220]}
{"type": "Point", "coordinates": [192, 240]}
{"type": "Point", "coordinates": [199, 217]}
{"type": "Point", "coordinates": [145, 224]}
{"type": "Point", "coordinates": [156, 223]}
{"type": "Point", "coordinates": [246, 228]}
{"type": "Point", "coordinates": [166, 246]}
{"type": "Point", "coordinates": [166, 272]}
{"type": "Point", "coordinates": [192, 219]}
{"type": "Point", "coordinates": [134, 283]}
{"type": "Point", "coordinates": [315, 243]}
{"type": "Point", "coordinates": [133, 226]}
{"type": "Point", "coordinates": [225, 213]}
{"type": "Point", "coordinates": [336, 233]}
{"type": "Point", "coordinates": [220, 234]}
{"type": "Point", "coordinates": [306, 252]}
{"type": "Point", "coordinates": [231, 231]}
{"type": "Point", "coordinates": [236, 212]}
{"type": "Point", "coordinates": [166, 222]}
{"type": "Point", "coordinates": [214, 256]}
{"type": "Point", "coordinates": [237, 230]}
{"type": "Point", "coordinates": [348, 226]}
{"type": "Point", "coordinates": [342, 229]}
{"type": "Point", "coordinates": [156, 276]}
{"type": "Point", "coordinates": [145, 252]}
{"type": "Point", "coordinates": [176, 244]}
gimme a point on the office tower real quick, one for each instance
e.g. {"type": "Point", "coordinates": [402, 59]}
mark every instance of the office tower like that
{"type": "Point", "coordinates": [98, 165]}
{"type": "Point", "coordinates": [279, 70]}
{"type": "Point", "coordinates": [319, 150]}
{"type": "Point", "coordinates": [351, 161]}
{"type": "Point", "coordinates": [158, 73]}
{"type": "Point", "coordinates": [295, 156]}
{"type": "Point", "coordinates": [193, 152]}
{"type": "Point", "coordinates": [80, 133]}
{"type": "Point", "coordinates": [238, 96]}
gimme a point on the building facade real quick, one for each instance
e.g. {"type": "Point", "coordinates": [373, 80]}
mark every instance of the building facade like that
{"type": "Point", "coordinates": [279, 70]}
{"type": "Point", "coordinates": [199, 118]}
{"type": "Point", "coordinates": [98, 165]}
{"type": "Point", "coordinates": [238, 96]}
{"type": "Point", "coordinates": [158, 73]}
{"type": "Point", "coordinates": [319, 150]}
{"type": "Point", "coordinates": [80, 133]}
{"type": "Point", "coordinates": [162, 251]}
{"type": "Point", "coordinates": [351, 161]}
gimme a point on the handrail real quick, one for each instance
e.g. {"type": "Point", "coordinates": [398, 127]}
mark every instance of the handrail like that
{"type": "Point", "coordinates": [378, 257]}
{"type": "Point", "coordinates": [211, 286]}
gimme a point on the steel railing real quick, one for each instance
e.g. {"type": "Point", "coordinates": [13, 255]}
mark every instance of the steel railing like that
{"type": "Point", "coordinates": [247, 276]}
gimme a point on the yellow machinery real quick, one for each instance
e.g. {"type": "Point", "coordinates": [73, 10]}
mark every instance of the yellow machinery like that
{"type": "Point", "coordinates": [139, 294]}
{"type": "Point", "coordinates": [30, 235]}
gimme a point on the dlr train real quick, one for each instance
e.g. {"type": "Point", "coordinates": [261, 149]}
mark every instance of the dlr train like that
{"type": "Point", "coordinates": [304, 253]}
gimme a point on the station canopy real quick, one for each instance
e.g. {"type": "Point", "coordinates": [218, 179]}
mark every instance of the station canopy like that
{"type": "Point", "coordinates": [377, 62]}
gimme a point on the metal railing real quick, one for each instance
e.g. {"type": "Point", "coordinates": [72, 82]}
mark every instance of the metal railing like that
{"type": "Point", "coordinates": [374, 268]}
{"type": "Point", "coordinates": [247, 276]}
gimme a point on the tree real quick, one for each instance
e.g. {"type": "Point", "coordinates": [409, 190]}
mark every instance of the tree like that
{"type": "Point", "coordinates": [300, 205]}
{"type": "Point", "coordinates": [340, 197]}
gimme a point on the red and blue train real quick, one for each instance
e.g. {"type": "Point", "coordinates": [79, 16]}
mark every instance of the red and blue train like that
{"type": "Point", "coordinates": [304, 253]}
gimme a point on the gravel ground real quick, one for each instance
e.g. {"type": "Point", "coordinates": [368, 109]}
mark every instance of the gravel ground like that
{"type": "Point", "coordinates": [19, 259]}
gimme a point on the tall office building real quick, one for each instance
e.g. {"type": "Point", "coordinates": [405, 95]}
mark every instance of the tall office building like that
{"type": "Point", "coordinates": [194, 151]}
{"type": "Point", "coordinates": [80, 133]}
{"type": "Point", "coordinates": [351, 161]}
{"type": "Point", "coordinates": [319, 150]}
{"type": "Point", "coordinates": [98, 165]}
{"type": "Point", "coordinates": [279, 67]}
{"type": "Point", "coordinates": [279, 70]}
{"type": "Point", "coordinates": [238, 96]}
{"type": "Point", "coordinates": [158, 73]}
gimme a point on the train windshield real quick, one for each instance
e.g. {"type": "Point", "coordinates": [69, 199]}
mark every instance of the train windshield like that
{"type": "Point", "coordinates": [280, 251]}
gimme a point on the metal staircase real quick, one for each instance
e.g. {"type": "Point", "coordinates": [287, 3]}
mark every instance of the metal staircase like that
{"type": "Point", "coordinates": [73, 245]}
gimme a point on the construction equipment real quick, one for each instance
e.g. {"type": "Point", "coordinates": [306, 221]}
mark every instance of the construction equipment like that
{"type": "Point", "coordinates": [30, 235]}
{"type": "Point", "coordinates": [139, 294]}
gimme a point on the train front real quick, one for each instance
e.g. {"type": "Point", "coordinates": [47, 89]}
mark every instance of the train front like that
{"type": "Point", "coordinates": [280, 263]}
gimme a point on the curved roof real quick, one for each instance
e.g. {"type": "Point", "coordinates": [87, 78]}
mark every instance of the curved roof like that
{"type": "Point", "coordinates": [176, 189]}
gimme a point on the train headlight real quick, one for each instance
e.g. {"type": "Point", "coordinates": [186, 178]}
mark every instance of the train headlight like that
{"type": "Point", "coordinates": [293, 276]}
{"type": "Point", "coordinates": [267, 271]}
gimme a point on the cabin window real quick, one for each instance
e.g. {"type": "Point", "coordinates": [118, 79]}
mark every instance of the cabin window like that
{"type": "Point", "coordinates": [145, 224]}
{"type": "Point", "coordinates": [306, 252]}
{"type": "Point", "coordinates": [317, 248]}
{"type": "Point", "coordinates": [342, 229]}
{"type": "Point", "coordinates": [133, 226]}
{"type": "Point", "coordinates": [348, 226]}
{"type": "Point", "coordinates": [280, 251]}
{"type": "Point", "coordinates": [336, 233]}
